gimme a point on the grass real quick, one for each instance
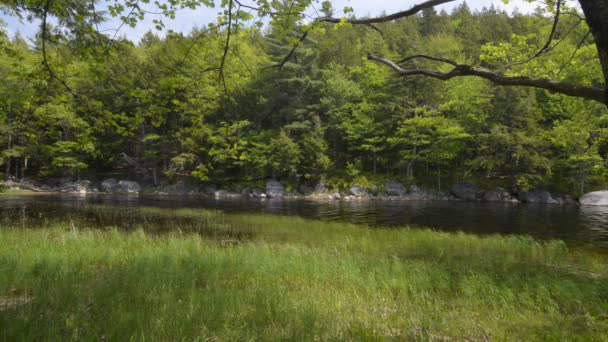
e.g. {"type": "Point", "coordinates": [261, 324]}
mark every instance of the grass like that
{"type": "Point", "coordinates": [17, 192]}
{"type": "Point", "coordinates": [253, 277]}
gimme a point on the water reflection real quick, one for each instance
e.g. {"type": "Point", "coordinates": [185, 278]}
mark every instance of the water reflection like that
{"type": "Point", "coordinates": [577, 225]}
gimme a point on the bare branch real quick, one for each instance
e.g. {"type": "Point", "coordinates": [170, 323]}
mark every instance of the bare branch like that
{"type": "Point", "coordinates": [436, 59]}
{"type": "Point", "coordinates": [460, 70]}
{"type": "Point", "coordinates": [386, 18]}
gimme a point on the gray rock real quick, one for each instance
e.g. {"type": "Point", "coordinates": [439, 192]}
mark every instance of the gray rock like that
{"type": "Point", "coordinates": [358, 191]}
{"type": "Point", "coordinates": [335, 196]}
{"type": "Point", "coordinates": [210, 189]}
{"type": "Point", "coordinates": [305, 190]}
{"type": "Point", "coordinates": [497, 195]}
{"type": "Point", "coordinates": [418, 194]}
{"type": "Point", "coordinates": [465, 191]}
{"type": "Point", "coordinates": [394, 188]}
{"type": "Point", "coordinates": [109, 185]}
{"type": "Point", "coordinates": [319, 188]}
{"type": "Point", "coordinates": [537, 196]}
{"type": "Point", "coordinates": [129, 187]}
{"type": "Point", "coordinates": [178, 189]}
{"type": "Point", "coordinates": [83, 186]}
{"type": "Point", "coordinates": [220, 193]}
{"type": "Point", "coordinates": [595, 198]}
{"type": "Point", "coordinates": [563, 198]}
{"type": "Point", "coordinates": [274, 189]}
{"type": "Point", "coordinates": [257, 193]}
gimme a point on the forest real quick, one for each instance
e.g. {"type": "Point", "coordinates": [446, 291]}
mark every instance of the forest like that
{"type": "Point", "coordinates": [507, 110]}
{"type": "Point", "coordinates": [301, 105]}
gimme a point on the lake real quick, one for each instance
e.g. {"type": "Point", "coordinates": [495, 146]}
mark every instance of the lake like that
{"type": "Point", "coordinates": [577, 225]}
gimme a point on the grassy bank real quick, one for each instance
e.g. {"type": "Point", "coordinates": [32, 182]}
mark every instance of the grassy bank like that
{"type": "Point", "coordinates": [260, 277]}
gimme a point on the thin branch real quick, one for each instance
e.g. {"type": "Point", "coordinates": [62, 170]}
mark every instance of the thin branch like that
{"type": "Point", "coordinates": [124, 21]}
{"type": "Point", "coordinates": [44, 38]}
{"type": "Point", "coordinates": [578, 47]}
{"type": "Point", "coordinates": [375, 28]}
{"type": "Point", "coordinates": [226, 47]}
{"type": "Point", "coordinates": [284, 61]}
{"type": "Point", "coordinates": [546, 47]}
{"type": "Point", "coordinates": [460, 70]}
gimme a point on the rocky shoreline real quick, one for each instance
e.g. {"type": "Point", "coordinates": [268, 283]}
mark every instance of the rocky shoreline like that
{"type": "Point", "coordinates": [392, 191]}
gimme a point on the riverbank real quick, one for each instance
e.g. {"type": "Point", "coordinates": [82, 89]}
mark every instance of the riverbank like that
{"type": "Point", "coordinates": [387, 191]}
{"type": "Point", "coordinates": [262, 277]}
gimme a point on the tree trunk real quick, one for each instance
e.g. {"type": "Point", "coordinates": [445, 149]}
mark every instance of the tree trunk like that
{"type": "Point", "coordinates": [375, 159]}
{"type": "Point", "coordinates": [514, 187]}
{"type": "Point", "coordinates": [439, 179]}
{"type": "Point", "coordinates": [596, 15]}
{"type": "Point", "coordinates": [409, 172]}
{"type": "Point", "coordinates": [8, 160]}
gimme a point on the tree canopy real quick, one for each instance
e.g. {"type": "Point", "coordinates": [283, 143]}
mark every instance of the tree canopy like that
{"type": "Point", "coordinates": [271, 90]}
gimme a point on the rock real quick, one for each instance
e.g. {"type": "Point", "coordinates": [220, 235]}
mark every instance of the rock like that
{"type": "Point", "coordinates": [109, 185]}
{"type": "Point", "coordinates": [210, 189]}
{"type": "Point", "coordinates": [274, 189]}
{"type": "Point", "coordinates": [358, 191]}
{"type": "Point", "coordinates": [27, 184]}
{"type": "Point", "coordinates": [178, 189]}
{"type": "Point", "coordinates": [257, 193]}
{"type": "Point", "coordinates": [220, 193]}
{"type": "Point", "coordinates": [83, 187]}
{"type": "Point", "coordinates": [394, 188]}
{"type": "Point", "coordinates": [497, 195]}
{"type": "Point", "coordinates": [418, 194]}
{"type": "Point", "coordinates": [595, 198]}
{"type": "Point", "coordinates": [564, 199]}
{"type": "Point", "coordinates": [305, 190]}
{"type": "Point", "coordinates": [319, 188]}
{"type": "Point", "coordinates": [537, 196]}
{"type": "Point", "coordinates": [129, 187]}
{"type": "Point", "coordinates": [335, 196]}
{"type": "Point", "coordinates": [465, 191]}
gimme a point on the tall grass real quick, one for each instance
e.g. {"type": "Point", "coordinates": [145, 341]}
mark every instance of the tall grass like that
{"type": "Point", "coordinates": [246, 277]}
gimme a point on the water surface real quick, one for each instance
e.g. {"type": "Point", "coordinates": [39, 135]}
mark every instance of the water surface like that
{"type": "Point", "coordinates": [580, 225]}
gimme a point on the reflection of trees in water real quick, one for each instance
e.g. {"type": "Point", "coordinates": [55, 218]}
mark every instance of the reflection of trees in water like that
{"type": "Point", "coordinates": [595, 218]}
{"type": "Point", "coordinates": [571, 223]}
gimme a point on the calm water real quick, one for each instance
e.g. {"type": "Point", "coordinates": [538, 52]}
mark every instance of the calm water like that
{"type": "Point", "coordinates": [574, 224]}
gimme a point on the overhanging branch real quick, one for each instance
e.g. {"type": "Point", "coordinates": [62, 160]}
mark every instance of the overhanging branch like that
{"type": "Point", "coordinates": [386, 18]}
{"type": "Point", "coordinates": [460, 70]}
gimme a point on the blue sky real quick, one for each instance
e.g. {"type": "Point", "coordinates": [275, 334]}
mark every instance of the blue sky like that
{"type": "Point", "coordinates": [188, 19]}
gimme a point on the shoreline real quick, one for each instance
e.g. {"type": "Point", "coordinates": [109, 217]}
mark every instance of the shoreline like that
{"type": "Point", "coordinates": [392, 191]}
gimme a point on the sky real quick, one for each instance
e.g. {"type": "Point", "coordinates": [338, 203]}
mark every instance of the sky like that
{"type": "Point", "coordinates": [186, 20]}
